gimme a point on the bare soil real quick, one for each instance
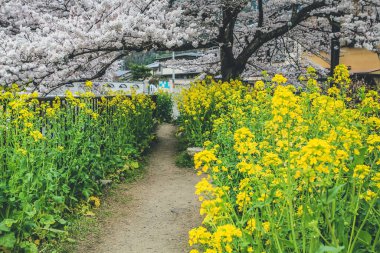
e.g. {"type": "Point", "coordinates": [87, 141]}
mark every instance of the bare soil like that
{"type": "Point", "coordinates": [153, 214]}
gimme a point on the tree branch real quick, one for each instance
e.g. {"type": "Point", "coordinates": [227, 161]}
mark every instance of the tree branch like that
{"type": "Point", "coordinates": [98, 74]}
{"type": "Point", "coordinates": [261, 38]}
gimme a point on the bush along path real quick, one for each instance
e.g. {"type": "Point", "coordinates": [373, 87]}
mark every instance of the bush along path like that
{"type": "Point", "coordinates": [53, 155]}
{"type": "Point", "coordinates": [159, 211]}
{"type": "Point", "coordinates": [286, 171]}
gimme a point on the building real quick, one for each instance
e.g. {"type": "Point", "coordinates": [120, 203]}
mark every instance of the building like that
{"type": "Point", "coordinates": [179, 75]}
{"type": "Point", "coordinates": [122, 75]}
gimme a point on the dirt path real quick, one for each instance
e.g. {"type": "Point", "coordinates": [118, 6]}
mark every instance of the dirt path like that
{"type": "Point", "coordinates": [158, 210]}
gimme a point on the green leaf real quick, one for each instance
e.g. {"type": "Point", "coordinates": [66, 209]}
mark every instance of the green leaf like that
{"type": "Point", "coordinates": [332, 193]}
{"type": "Point", "coordinates": [56, 231]}
{"type": "Point", "coordinates": [343, 238]}
{"type": "Point", "coordinates": [29, 247]}
{"type": "Point", "coordinates": [71, 240]}
{"type": "Point", "coordinates": [6, 225]}
{"type": "Point", "coordinates": [59, 199]}
{"type": "Point", "coordinates": [365, 237]}
{"type": "Point", "coordinates": [47, 220]}
{"type": "Point", "coordinates": [62, 221]}
{"type": "Point", "coordinates": [65, 188]}
{"type": "Point", "coordinates": [329, 249]}
{"type": "Point", "coordinates": [8, 240]}
{"type": "Point", "coordinates": [286, 243]}
{"type": "Point", "coordinates": [73, 198]}
{"type": "Point", "coordinates": [31, 213]}
{"type": "Point", "coordinates": [359, 159]}
{"type": "Point", "coordinates": [134, 165]}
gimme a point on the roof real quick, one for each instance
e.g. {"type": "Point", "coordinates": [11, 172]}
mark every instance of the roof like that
{"type": "Point", "coordinates": [153, 65]}
{"type": "Point", "coordinates": [120, 73]}
{"type": "Point", "coordinates": [359, 60]}
{"type": "Point", "coordinates": [180, 55]}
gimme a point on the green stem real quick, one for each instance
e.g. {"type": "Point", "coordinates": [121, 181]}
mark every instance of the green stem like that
{"type": "Point", "coordinates": [291, 214]}
{"type": "Point", "coordinates": [376, 239]}
{"type": "Point", "coordinates": [331, 228]}
{"type": "Point", "coordinates": [351, 247]}
{"type": "Point", "coordinates": [354, 221]}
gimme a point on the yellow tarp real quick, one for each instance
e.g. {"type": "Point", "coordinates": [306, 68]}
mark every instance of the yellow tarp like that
{"type": "Point", "coordinates": [359, 60]}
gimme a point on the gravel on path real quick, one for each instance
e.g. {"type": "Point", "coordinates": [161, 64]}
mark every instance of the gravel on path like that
{"type": "Point", "coordinates": [159, 211]}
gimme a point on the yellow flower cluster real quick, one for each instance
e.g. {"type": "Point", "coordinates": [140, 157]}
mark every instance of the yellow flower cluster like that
{"type": "Point", "coordinates": [95, 201]}
{"type": "Point", "coordinates": [36, 135]}
{"type": "Point", "coordinates": [286, 172]}
{"type": "Point", "coordinates": [204, 103]}
{"type": "Point", "coordinates": [204, 158]}
{"type": "Point", "coordinates": [342, 76]}
{"type": "Point", "coordinates": [244, 143]}
{"type": "Point", "coordinates": [88, 84]}
{"type": "Point", "coordinates": [279, 79]}
{"type": "Point", "coordinates": [220, 241]}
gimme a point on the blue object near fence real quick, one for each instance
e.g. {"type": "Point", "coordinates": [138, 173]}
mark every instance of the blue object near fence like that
{"type": "Point", "coordinates": [164, 84]}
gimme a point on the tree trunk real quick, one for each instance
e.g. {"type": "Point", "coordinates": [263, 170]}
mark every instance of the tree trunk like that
{"type": "Point", "coordinates": [227, 66]}
{"type": "Point", "coordinates": [230, 68]}
{"type": "Point", "coordinates": [231, 72]}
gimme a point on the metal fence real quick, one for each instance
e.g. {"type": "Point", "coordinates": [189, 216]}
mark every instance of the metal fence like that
{"type": "Point", "coordinates": [93, 100]}
{"type": "Point", "coordinates": [106, 112]}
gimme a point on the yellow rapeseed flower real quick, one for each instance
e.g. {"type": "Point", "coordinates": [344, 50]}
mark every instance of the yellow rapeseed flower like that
{"type": "Point", "coordinates": [95, 201]}
{"type": "Point", "coordinates": [36, 135]}
{"type": "Point", "coordinates": [279, 79]}
{"type": "Point", "coordinates": [89, 84]}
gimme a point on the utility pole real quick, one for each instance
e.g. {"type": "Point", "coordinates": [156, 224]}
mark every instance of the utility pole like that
{"type": "Point", "coordinates": [173, 76]}
{"type": "Point", "coordinates": [335, 47]}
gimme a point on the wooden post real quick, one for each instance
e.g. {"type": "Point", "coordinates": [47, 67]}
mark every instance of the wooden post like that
{"type": "Point", "coordinates": [335, 47]}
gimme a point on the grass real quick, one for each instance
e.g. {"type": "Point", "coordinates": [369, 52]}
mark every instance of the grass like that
{"type": "Point", "coordinates": [183, 160]}
{"type": "Point", "coordinates": [84, 229]}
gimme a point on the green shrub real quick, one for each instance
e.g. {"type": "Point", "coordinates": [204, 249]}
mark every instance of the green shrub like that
{"type": "Point", "coordinates": [52, 157]}
{"type": "Point", "coordinates": [164, 110]}
{"type": "Point", "coordinates": [285, 171]}
{"type": "Point", "coordinates": [183, 160]}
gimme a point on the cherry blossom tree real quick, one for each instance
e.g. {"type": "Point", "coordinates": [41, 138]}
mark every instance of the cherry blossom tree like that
{"type": "Point", "coordinates": [255, 34]}
{"type": "Point", "coordinates": [59, 41]}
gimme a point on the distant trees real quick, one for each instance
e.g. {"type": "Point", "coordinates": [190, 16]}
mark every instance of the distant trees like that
{"type": "Point", "coordinates": [140, 58]}
{"type": "Point", "coordinates": [139, 72]}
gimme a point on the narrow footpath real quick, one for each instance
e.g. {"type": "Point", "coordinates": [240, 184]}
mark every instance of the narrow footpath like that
{"type": "Point", "coordinates": [158, 210]}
